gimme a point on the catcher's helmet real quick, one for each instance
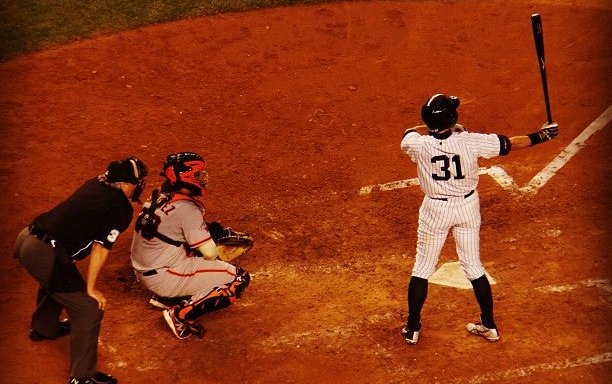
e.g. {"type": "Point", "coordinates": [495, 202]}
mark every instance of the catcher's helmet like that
{"type": "Point", "coordinates": [130, 170]}
{"type": "Point", "coordinates": [185, 170]}
{"type": "Point", "coordinates": [440, 112]}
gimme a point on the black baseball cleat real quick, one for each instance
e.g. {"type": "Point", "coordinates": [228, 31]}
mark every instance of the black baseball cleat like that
{"type": "Point", "coordinates": [478, 329]}
{"type": "Point", "coordinates": [64, 329]}
{"type": "Point", "coordinates": [98, 378]}
{"type": "Point", "coordinates": [411, 337]}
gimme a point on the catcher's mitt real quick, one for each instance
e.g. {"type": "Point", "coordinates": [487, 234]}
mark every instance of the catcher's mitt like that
{"type": "Point", "coordinates": [231, 244]}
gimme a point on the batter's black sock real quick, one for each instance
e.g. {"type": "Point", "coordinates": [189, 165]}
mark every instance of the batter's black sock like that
{"type": "Point", "coordinates": [417, 293]}
{"type": "Point", "coordinates": [484, 296]}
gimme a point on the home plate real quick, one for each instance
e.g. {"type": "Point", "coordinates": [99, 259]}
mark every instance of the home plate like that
{"type": "Point", "coordinates": [451, 274]}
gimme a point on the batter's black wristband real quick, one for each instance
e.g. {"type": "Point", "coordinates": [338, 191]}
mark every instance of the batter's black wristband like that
{"type": "Point", "coordinates": [535, 138]}
{"type": "Point", "coordinates": [505, 145]}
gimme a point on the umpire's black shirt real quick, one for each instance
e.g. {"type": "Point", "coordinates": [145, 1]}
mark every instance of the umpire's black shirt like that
{"type": "Point", "coordinates": [94, 212]}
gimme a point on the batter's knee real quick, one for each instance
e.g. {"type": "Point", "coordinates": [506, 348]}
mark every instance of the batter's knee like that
{"type": "Point", "coordinates": [424, 272]}
{"type": "Point", "coordinates": [474, 272]}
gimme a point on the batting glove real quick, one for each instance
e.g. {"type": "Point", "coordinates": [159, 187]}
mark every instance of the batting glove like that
{"type": "Point", "coordinates": [549, 131]}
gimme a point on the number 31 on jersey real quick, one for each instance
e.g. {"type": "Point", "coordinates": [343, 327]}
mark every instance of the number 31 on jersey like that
{"type": "Point", "coordinates": [445, 162]}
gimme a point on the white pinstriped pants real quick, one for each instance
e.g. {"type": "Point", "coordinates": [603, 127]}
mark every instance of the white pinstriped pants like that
{"type": "Point", "coordinates": [436, 219]}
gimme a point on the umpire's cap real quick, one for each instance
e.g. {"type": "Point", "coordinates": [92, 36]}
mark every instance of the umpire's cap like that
{"type": "Point", "coordinates": [130, 170]}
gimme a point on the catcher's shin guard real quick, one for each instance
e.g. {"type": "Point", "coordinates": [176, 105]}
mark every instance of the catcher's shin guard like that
{"type": "Point", "coordinates": [218, 298]}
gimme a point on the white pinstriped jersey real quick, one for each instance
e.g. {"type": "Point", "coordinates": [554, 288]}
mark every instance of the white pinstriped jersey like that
{"type": "Point", "coordinates": [449, 167]}
{"type": "Point", "coordinates": [448, 175]}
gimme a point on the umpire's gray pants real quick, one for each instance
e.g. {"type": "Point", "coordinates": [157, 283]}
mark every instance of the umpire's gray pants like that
{"type": "Point", "coordinates": [85, 316]}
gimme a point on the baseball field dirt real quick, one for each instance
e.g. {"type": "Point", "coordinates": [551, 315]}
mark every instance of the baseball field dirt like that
{"type": "Point", "coordinates": [299, 112]}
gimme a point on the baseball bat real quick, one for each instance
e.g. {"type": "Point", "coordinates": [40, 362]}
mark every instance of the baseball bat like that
{"type": "Point", "coordinates": [538, 37]}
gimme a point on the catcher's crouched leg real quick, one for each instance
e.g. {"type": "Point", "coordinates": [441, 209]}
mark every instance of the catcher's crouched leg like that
{"type": "Point", "coordinates": [219, 298]}
{"type": "Point", "coordinates": [181, 317]}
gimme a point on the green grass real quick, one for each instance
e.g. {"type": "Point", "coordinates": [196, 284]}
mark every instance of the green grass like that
{"type": "Point", "coordinates": [33, 25]}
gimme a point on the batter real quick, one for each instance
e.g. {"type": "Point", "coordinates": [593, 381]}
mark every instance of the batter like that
{"type": "Point", "coordinates": [447, 163]}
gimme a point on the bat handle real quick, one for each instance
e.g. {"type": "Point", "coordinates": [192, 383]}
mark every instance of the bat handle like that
{"type": "Point", "coordinates": [547, 102]}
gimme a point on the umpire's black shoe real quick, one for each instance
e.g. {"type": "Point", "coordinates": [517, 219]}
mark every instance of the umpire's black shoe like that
{"type": "Point", "coordinates": [64, 329]}
{"type": "Point", "coordinates": [98, 378]}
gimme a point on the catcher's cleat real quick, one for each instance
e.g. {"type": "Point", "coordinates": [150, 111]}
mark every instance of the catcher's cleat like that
{"type": "Point", "coordinates": [490, 334]}
{"type": "Point", "coordinates": [180, 328]}
{"type": "Point", "coordinates": [64, 330]}
{"type": "Point", "coordinates": [411, 337]}
{"type": "Point", "coordinates": [98, 378]}
{"type": "Point", "coordinates": [195, 328]}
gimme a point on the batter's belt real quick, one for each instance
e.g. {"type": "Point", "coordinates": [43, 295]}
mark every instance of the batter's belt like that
{"type": "Point", "coordinates": [470, 193]}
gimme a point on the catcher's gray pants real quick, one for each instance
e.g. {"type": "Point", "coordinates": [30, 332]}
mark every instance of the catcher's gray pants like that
{"type": "Point", "coordinates": [192, 276]}
{"type": "Point", "coordinates": [85, 316]}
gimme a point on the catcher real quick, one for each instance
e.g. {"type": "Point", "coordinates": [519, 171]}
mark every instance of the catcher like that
{"type": "Point", "coordinates": [177, 255]}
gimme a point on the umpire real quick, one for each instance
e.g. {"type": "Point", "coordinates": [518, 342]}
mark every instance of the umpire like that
{"type": "Point", "coordinates": [87, 223]}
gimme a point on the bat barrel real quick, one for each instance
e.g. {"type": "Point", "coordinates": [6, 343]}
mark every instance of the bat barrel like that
{"type": "Point", "coordinates": [538, 36]}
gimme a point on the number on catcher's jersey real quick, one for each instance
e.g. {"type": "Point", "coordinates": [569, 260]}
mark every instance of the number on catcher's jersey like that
{"type": "Point", "coordinates": [445, 162]}
{"type": "Point", "coordinates": [148, 220]}
{"type": "Point", "coordinates": [147, 224]}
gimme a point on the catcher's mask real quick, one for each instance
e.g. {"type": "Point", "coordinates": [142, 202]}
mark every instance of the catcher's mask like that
{"type": "Point", "coordinates": [130, 170]}
{"type": "Point", "coordinates": [439, 113]}
{"type": "Point", "coordinates": [186, 170]}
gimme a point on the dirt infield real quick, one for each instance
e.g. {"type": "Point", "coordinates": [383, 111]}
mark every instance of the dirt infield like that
{"type": "Point", "coordinates": [297, 110]}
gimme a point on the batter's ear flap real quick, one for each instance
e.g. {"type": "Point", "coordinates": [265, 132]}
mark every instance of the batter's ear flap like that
{"type": "Point", "coordinates": [455, 101]}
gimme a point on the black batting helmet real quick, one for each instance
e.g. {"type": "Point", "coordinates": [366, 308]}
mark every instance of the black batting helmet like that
{"type": "Point", "coordinates": [440, 112]}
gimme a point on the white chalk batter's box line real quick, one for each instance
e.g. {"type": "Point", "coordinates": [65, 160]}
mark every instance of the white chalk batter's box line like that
{"type": "Point", "coordinates": [506, 181]}
{"type": "Point", "coordinates": [602, 284]}
{"type": "Point", "coordinates": [531, 369]}
{"type": "Point", "coordinates": [298, 340]}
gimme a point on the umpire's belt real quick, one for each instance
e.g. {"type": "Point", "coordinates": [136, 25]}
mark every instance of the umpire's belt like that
{"type": "Point", "coordinates": [42, 236]}
{"type": "Point", "coordinates": [470, 193]}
